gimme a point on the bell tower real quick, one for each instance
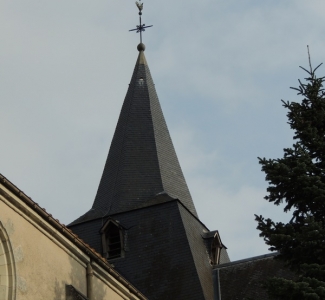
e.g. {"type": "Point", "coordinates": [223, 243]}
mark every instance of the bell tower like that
{"type": "Point", "coordinates": [143, 219]}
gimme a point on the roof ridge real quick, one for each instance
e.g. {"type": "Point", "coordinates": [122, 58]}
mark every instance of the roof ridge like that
{"type": "Point", "coordinates": [241, 261]}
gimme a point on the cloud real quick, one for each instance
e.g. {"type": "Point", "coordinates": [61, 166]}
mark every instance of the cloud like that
{"type": "Point", "coordinates": [220, 69]}
{"type": "Point", "coordinates": [232, 213]}
{"type": "Point", "coordinates": [224, 200]}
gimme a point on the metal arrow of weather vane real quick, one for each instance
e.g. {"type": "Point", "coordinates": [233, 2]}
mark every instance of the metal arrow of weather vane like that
{"type": "Point", "coordinates": [140, 27]}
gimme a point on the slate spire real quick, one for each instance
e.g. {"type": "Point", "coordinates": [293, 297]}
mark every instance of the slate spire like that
{"type": "Point", "coordinates": [141, 162]}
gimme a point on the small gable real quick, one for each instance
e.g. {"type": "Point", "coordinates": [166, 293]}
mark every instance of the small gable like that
{"type": "Point", "coordinates": [112, 239]}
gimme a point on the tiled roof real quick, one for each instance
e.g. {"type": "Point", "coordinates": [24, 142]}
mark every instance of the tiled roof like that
{"type": "Point", "coordinates": [165, 254]}
{"type": "Point", "coordinates": [143, 189]}
{"type": "Point", "coordinates": [142, 161]}
{"type": "Point", "coordinates": [244, 279]}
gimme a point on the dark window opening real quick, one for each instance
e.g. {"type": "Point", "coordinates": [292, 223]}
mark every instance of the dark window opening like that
{"type": "Point", "coordinates": [71, 293]}
{"type": "Point", "coordinates": [113, 241]}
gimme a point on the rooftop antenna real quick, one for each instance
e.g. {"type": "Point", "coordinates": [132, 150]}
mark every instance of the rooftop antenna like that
{"type": "Point", "coordinates": [140, 27]}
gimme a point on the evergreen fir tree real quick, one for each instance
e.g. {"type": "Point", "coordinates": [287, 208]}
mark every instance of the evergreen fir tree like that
{"type": "Point", "coordinates": [298, 181]}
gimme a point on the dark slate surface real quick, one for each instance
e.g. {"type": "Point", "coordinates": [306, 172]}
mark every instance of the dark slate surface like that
{"type": "Point", "coordinates": [142, 161]}
{"type": "Point", "coordinates": [194, 230]}
{"type": "Point", "coordinates": [165, 255]}
{"type": "Point", "coordinates": [243, 279]}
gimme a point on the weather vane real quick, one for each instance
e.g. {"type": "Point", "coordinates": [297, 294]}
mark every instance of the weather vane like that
{"type": "Point", "coordinates": [140, 27]}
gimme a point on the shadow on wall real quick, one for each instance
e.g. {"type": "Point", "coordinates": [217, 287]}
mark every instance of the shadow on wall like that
{"type": "Point", "coordinates": [64, 290]}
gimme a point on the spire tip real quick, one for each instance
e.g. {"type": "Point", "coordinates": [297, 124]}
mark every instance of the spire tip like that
{"type": "Point", "coordinates": [141, 47]}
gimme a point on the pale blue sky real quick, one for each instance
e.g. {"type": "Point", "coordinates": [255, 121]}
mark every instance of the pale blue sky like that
{"type": "Point", "coordinates": [220, 69]}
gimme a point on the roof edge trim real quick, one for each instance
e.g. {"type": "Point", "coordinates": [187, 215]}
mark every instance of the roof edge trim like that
{"type": "Point", "coordinates": [241, 261]}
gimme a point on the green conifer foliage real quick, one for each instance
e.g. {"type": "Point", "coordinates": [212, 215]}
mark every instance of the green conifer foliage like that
{"type": "Point", "coordinates": [298, 181]}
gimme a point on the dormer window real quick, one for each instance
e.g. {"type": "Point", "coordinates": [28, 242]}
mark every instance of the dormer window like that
{"type": "Point", "coordinates": [216, 250]}
{"type": "Point", "coordinates": [216, 247]}
{"type": "Point", "coordinates": [112, 239]}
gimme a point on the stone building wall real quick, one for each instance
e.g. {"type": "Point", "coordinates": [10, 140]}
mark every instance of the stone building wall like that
{"type": "Point", "coordinates": [41, 259]}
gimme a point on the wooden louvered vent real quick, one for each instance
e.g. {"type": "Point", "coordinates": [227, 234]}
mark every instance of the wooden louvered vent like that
{"type": "Point", "coordinates": [113, 241]}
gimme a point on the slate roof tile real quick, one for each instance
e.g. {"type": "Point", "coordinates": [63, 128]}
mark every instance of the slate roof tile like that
{"type": "Point", "coordinates": [142, 161]}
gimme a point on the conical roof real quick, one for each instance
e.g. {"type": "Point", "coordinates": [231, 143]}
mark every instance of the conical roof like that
{"type": "Point", "coordinates": [142, 162]}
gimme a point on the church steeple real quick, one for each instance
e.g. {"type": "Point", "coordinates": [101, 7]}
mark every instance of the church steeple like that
{"type": "Point", "coordinates": [142, 162]}
{"type": "Point", "coordinates": [143, 218]}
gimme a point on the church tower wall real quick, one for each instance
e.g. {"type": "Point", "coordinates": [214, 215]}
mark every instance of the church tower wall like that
{"type": "Point", "coordinates": [164, 252]}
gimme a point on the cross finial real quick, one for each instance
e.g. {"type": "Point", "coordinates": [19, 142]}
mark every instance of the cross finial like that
{"type": "Point", "coordinates": [140, 27]}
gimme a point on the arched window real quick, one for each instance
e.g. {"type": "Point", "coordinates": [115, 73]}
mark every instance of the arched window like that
{"type": "Point", "coordinates": [7, 267]}
{"type": "Point", "coordinates": [112, 240]}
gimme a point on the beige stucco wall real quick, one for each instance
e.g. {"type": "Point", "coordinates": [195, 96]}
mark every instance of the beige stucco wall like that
{"type": "Point", "coordinates": [102, 291]}
{"type": "Point", "coordinates": [45, 261]}
{"type": "Point", "coordinates": [42, 266]}
{"type": "Point", "coordinates": [7, 267]}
